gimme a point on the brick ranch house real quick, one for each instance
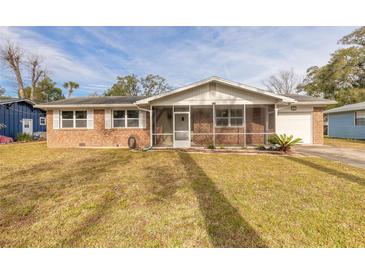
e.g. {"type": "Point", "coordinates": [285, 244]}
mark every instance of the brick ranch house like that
{"type": "Point", "coordinates": [212, 111]}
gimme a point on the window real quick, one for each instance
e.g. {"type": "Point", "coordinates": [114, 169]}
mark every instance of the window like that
{"type": "Point", "coordinates": [74, 119]}
{"type": "Point", "coordinates": [132, 118]}
{"type": "Point", "coordinates": [118, 118]}
{"type": "Point", "coordinates": [229, 117]}
{"type": "Point", "coordinates": [360, 118]}
{"type": "Point", "coordinates": [125, 118]}
{"type": "Point", "coordinates": [42, 121]}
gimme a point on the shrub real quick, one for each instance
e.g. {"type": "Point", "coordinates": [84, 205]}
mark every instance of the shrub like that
{"type": "Point", "coordinates": [284, 142]}
{"type": "Point", "coordinates": [210, 146]}
{"type": "Point", "coordinates": [24, 137]}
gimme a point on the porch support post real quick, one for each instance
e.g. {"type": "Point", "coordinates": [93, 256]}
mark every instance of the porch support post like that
{"type": "Point", "coordinates": [173, 126]}
{"type": "Point", "coordinates": [266, 123]}
{"type": "Point", "coordinates": [151, 129]}
{"type": "Point", "coordinates": [189, 125]}
{"type": "Point", "coordinates": [244, 125]}
{"type": "Point", "coordinates": [276, 117]}
{"type": "Point", "coordinates": [213, 124]}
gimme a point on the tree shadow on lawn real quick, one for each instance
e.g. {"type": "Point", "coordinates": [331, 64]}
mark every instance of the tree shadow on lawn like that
{"type": "Point", "coordinates": [225, 226]}
{"type": "Point", "coordinates": [19, 197]}
{"type": "Point", "coordinates": [334, 172]}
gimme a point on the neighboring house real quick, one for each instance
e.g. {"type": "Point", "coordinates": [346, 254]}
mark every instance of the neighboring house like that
{"type": "Point", "coordinates": [347, 121]}
{"type": "Point", "coordinates": [212, 111]}
{"type": "Point", "coordinates": [20, 116]}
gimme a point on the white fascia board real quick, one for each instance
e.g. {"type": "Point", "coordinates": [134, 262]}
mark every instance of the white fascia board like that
{"type": "Point", "coordinates": [314, 103]}
{"type": "Point", "coordinates": [84, 106]}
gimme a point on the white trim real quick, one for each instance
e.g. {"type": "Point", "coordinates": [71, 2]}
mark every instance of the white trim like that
{"type": "Point", "coordinates": [73, 119]}
{"type": "Point", "coordinates": [44, 121]}
{"type": "Point", "coordinates": [226, 107]}
{"type": "Point", "coordinates": [218, 80]}
{"type": "Point", "coordinates": [125, 118]}
{"type": "Point", "coordinates": [94, 106]}
{"type": "Point", "coordinates": [355, 118]}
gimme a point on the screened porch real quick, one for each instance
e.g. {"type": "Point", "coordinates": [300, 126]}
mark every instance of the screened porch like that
{"type": "Point", "coordinates": [218, 125]}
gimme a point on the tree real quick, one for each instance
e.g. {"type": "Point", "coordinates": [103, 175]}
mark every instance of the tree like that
{"type": "Point", "coordinates": [154, 84]}
{"type": "Point", "coordinates": [36, 73]}
{"type": "Point", "coordinates": [12, 56]}
{"type": "Point", "coordinates": [2, 91]}
{"type": "Point", "coordinates": [131, 85]}
{"type": "Point", "coordinates": [70, 86]}
{"type": "Point", "coordinates": [343, 77]}
{"type": "Point", "coordinates": [284, 82]}
{"type": "Point", "coordinates": [125, 86]}
{"type": "Point", "coordinates": [46, 90]}
{"type": "Point", "coordinates": [357, 37]}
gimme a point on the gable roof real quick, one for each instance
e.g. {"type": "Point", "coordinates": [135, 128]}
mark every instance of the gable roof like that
{"type": "Point", "coordinates": [4, 101]}
{"type": "Point", "coordinates": [94, 101]}
{"type": "Point", "coordinates": [217, 80]}
{"type": "Point", "coordinates": [345, 108]}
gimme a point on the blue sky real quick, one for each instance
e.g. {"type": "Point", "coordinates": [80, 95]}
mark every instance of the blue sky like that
{"type": "Point", "coordinates": [94, 56]}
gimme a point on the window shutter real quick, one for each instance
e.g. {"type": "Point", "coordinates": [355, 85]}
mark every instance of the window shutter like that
{"type": "Point", "coordinates": [108, 118]}
{"type": "Point", "coordinates": [90, 118]}
{"type": "Point", "coordinates": [56, 119]}
{"type": "Point", "coordinates": [142, 119]}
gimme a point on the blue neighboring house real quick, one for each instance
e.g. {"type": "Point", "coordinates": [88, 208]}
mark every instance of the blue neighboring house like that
{"type": "Point", "coordinates": [19, 116]}
{"type": "Point", "coordinates": [347, 121]}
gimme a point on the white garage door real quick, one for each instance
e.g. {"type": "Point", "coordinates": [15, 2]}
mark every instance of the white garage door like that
{"type": "Point", "coordinates": [296, 124]}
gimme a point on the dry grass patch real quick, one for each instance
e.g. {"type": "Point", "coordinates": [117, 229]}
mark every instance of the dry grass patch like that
{"type": "Point", "coordinates": [347, 143]}
{"type": "Point", "coordinates": [118, 198]}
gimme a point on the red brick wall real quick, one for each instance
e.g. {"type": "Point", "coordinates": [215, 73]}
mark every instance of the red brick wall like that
{"type": "Point", "coordinates": [97, 137]}
{"type": "Point", "coordinates": [318, 125]}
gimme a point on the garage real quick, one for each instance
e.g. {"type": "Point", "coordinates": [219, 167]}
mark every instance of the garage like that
{"type": "Point", "coordinates": [296, 124]}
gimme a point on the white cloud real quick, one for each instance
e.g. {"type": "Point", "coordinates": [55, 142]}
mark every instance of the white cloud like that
{"type": "Point", "coordinates": [182, 55]}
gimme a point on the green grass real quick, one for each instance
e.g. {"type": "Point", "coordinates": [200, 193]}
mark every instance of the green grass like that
{"type": "Point", "coordinates": [346, 143]}
{"type": "Point", "coordinates": [118, 198]}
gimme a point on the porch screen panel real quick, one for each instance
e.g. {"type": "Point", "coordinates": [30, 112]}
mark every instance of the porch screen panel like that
{"type": "Point", "coordinates": [201, 125]}
{"type": "Point", "coordinates": [162, 125]}
{"type": "Point", "coordinates": [229, 129]}
{"type": "Point", "coordinates": [258, 123]}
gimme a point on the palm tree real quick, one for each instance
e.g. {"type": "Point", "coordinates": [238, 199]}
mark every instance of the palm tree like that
{"type": "Point", "coordinates": [70, 86]}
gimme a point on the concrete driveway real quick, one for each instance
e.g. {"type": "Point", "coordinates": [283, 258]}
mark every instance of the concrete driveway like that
{"type": "Point", "coordinates": [350, 156]}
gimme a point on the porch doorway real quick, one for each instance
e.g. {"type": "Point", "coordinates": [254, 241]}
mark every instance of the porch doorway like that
{"type": "Point", "coordinates": [182, 128]}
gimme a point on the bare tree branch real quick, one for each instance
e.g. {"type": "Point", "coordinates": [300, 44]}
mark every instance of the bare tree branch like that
{"type": "Point", "coordinates": [12, 56]}
{"type": "Point", "coordinates": [285, 82]}
{"type": "Point", "coordinates": [37, 73]}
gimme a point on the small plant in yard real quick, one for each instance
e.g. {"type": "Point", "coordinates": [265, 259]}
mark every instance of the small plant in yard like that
{"type": "Point", "coordinates": [221, 146]}
{"type": "Point", "coordinates": [24, 137]}
{"type": "Point", "coordinates": [210, 146]}
{"type": "Point", "coordinates": [284, 142]}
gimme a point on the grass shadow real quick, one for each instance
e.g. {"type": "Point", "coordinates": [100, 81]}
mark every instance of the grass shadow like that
{"type": "Point", "coordinates": [224, 224]}
{"type": "Point", "coordinates": [334, 172]}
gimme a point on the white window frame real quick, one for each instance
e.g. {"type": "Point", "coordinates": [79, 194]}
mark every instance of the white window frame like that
{"type": "Point", "coordinates": [126, 119]}
{"type": "Point", "coordinates": [42, 121]}
{"type": "Point", "coordinates": [73, 119]}
{"type": "Point", "coordinates": [229, 108]}
{"type": "Point", "coordinates": [355, 116]}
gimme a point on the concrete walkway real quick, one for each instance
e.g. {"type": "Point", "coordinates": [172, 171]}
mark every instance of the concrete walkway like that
{"type": "Point", "coordinates": [350, 156]}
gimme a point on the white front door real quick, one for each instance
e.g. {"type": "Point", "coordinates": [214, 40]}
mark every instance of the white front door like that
{"type": "Point", "coordinates": [27, 126]}
{"type": "Point", "coordinates": [182, 130]}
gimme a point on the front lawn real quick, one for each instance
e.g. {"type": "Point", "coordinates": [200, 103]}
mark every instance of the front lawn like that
{"type": "Point", "coordinates": [346, 143]}
{"type": "Point", "coordinates": [118, 198]}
